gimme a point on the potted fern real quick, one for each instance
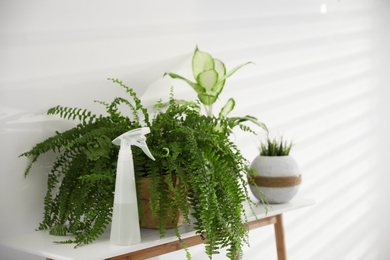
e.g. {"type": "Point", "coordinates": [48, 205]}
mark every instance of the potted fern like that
{"type": "Point", "coordinates": [199, 172]}
{"type": "Point", "coordinates": [277, 173]}
{"type": "Point", "coordinates": [202, 168]}
{"type": "Point", "coordinates": [80, 191]}
{"type": "Point", "coordinates": [203, 172]}
{"type": "Point", "coordinates": [195, 162]}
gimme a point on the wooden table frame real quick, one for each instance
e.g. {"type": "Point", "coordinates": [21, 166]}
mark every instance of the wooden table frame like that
{"type": "Point", "coordinates": [197, 240]}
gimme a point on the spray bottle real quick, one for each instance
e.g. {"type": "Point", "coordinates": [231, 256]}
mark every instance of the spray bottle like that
{"type": "Point", "coordinates": [125, 228]}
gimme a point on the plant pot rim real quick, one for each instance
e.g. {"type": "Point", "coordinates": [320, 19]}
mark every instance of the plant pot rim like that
{"type": "Point", "coordinates": [275, 158]}
{"type": "Point", "coordinates": [270, 156]}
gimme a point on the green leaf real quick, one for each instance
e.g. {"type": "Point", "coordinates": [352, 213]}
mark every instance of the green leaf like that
{"type": "Point", "coordinates": [221, 70]}
{"type": "Point", "coordinates": [208, 79]}
{"type": "Point", "coordinates": [227, 108]}
{"type": "Point", "coordinates": [201, 61]}
{"type": "Point", "coordinates": [207, 99]}
{"type": "Point", "coordinates": [196, 87]}
{"type": "Point", "coordinates": [221, 127]}
{"type": "Point", "coordinates": [253, 120]}
{"type": "Point", "coordinates": [233, 71]}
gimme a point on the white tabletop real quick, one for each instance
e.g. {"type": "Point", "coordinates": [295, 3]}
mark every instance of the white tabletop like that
{"type": "Point", "coordinates": [41, 243]}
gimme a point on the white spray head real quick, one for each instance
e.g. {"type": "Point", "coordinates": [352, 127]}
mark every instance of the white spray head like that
{"type": "Point", "coordinates": [135, 137]}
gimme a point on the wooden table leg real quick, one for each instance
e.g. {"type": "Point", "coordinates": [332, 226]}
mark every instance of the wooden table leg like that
{"type": "Point", "coordinates": [279, 237]}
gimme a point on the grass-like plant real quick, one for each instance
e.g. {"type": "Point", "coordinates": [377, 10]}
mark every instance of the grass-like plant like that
{"type": "Point", "coordinates": [275, 147]}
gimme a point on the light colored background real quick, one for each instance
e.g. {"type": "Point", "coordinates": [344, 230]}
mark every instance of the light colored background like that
{"type": "Point", "coordinates": [321, 77]}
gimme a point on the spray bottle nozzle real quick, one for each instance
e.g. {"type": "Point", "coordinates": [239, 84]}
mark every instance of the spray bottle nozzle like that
{"type": "Point", "coordinates": [135, 137]}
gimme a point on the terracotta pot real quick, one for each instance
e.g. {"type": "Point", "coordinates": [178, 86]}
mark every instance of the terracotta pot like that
{"type": "Point", "coordinates": [149, 220]}
{"type": "Point", "coordinates": [278, 177]}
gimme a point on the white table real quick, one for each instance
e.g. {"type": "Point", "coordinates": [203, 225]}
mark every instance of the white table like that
{"type": "Point", "coordinates": [41, 243]}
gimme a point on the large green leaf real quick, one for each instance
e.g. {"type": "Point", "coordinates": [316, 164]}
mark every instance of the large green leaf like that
{"type": "Point", "coordinates": [207, 79]}
{"type": "Point", "coordinates": [227, 108]}
{"type": "Point", "coordinates": [221, 70]}
{"type": "Point", "coordinates": [229, 74]}
{"type": "Point", "coordinates": [196, 87]}
{"type": "Point", "coordinates": [207, 99]}
{"type": "Point", "coordinates": [201, 61]}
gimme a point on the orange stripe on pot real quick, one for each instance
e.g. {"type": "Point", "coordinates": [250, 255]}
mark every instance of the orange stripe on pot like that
{"type": "Point", "coordinates": [278, 182]}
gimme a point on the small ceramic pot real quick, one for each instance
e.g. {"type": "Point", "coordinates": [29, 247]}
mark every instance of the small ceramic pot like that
{"type": "Point", "coordinates": [278, 177]}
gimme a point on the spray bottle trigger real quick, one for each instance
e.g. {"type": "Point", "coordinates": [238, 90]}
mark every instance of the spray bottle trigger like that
{"type": "Point", "coordinates": [135, 137]}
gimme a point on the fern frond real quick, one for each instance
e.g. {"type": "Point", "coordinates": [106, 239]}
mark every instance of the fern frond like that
{"type": "Point", "coordinates": [135, 98]}
{"type": "Point", "coordinates": [83, 115]}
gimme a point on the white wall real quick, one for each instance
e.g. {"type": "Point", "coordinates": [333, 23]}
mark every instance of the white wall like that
{"type": "Point", "coordinates": [321, 77]}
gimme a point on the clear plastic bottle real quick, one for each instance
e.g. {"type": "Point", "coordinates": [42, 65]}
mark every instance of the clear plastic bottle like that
{"type": "Point", "coordinates": [125, 228]}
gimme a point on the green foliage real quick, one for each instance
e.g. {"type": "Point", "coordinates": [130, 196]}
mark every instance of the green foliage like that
{"type": "Point", "coordinates": [211, 172]}
{"type": "Point", "coordinates": [79, 198]}
{"type": "Point", "coordinates": [275, 147]}
{"type": "Point", "coordinates": [210, 76]}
